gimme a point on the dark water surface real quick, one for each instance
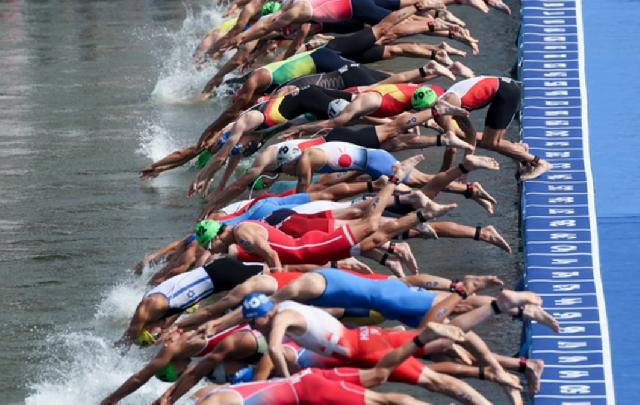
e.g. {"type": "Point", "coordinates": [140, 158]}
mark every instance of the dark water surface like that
{"type": "Point", "coordinates": [84, 103]}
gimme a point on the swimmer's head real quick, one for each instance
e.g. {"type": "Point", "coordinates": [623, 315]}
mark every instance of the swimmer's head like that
{"type": "Point", "coordinates": [270, 7]}
{"type": "Point", "coordinates": [423, 97]}
{"type": "Point", "coordinates": [167, 374]}
{"type": "Point", "coordinates": [287, 154]}
{"type": "Point", "coordinates": [257, 183]}
{"type": "Point", "coordinates": [206, 231]}
{"type": "Point", "coordinates": [256, 305]}
{"type": "Point", "coordinates": [336, 107]}
{"type": "Point", "coordinates": [144, 339]}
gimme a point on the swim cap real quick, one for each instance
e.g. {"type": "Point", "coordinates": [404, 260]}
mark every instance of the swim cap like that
{"type": "Point", "coordinates": [243, 375]}
{"type": "Point", "coordinates": [256, 305]}
{"type": "Point", "coordinates": [203, 159]}
{"type": "Point", "coordinates": [423, 98]}
{"type": "Point", "coordinates": [206, 231]}
{"type": "Point", "coordinates": [257, 183]}
{"type": "Point", "coordinates": [287, 154]}
{"type": "Point", "coordinates": [270, 7]}
{"type": "Point", "coordinates": [167, 374]}
{"type": "Point", "coordinates": [144, 339]}
{"type": "Point", "coordinates": [336, 107]}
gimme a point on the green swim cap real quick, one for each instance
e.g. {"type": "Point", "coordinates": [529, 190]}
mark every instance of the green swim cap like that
{"type": "Point", "coordinates": [257, 183]}
{"type": "Point", "coordinates": [206, 231]}
{"type": "Point", "coordinates": [423, 97]}
{"type": "Point", "coordinates": [203, 159]}
{"type": "Point", "coordinates": [167, 374]}
{"type": "Point", "coordinates": [270, 7]}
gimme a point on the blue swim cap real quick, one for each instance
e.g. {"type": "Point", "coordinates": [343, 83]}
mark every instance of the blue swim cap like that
{"type": "Point", "coordinates": [256, 305]}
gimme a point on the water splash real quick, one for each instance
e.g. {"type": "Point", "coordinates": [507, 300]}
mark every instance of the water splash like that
{"type": "Point", "coordinates": [179, 79]}
{"type": "Point", "coordinates": [156, 141]}
{"type": "Point", "coordinates": [87, 358]}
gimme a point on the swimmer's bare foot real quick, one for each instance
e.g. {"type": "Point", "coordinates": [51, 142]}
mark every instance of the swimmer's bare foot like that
{"type": "Point", "coordinates": [509, 299]}
{"type": "Point", "coordinates": [435, 330]}
{"type": "Point", "coordinates": [449, 17]}
{"type": "Point", "coordinates": [459, 69]}
{"type": "Point", "coordinates": [450, 49]}
{"type": "Point", "coordinates": [426, 231]}
{"type": "Point", "coordinates": [490, 235]}
{"type": "Point", "coordinates": [463, 35]}
{"type": "Point", "coordinates": [403, 251]}
{"type": "Point", "coordinates": [148, 173]}
{"type": "Point", "coordinates": [480, 196]}
{"type": "Point", "coordinates": [477, 4]}
{"type": "Point", "coordinates": [473, 162]}
{"type": "Point", "coordinates": [499, 5]}
{"type": "Point", "coordinates": [436, 68]}
{"type": "Point", "coordinates": [401, 169]}
{"type": "Point", "coordinates": [515, 398]}
{"type": "Point", "coordinates": [461, 354]}
{"type": "Point", "coordinates": [379, 183]}
{"type": "Point", "coordinates": [431, 123]}
{"type": "Point", "coordinates": [395, 266]}
{"type": "Point", "coordinates": [506, 379]}
{"type": "Point", "coordinates": [538, 170]}
{"type": "Point", "coordinates": [433, 209]}
{"type": "Point", "coordinates": [417, 199]}
{"type": "Point", "coordinates": [443, 57]}
{"type": "Point", "coordinates": [532, 373]}
{"type": "Point", "coordinates": [354, 264]}
{"type": "Point", "coordinates": [477, 283]}
{"type": "Point", "coordinates": [433, 4]}
{"type": "Point", "coordinates": [450, 139]}
{"type": "Point", "coordinates": [536, 313]}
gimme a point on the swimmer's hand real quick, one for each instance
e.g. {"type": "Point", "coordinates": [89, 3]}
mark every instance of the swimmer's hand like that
{"type": "Point", "coordinates": [208, 329]}
{"type": "Point", "coordinates": [148, 173]}
{"type": "Point", "coordinates": [204, 96]}
{"type": "Point", "coordinates": [108, 401]}
{"type": "Point", "coordinates": [138, 267]}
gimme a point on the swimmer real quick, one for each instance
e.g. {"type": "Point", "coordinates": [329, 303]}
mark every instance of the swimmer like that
{"type": "Point", "coordinates": [351, 378]}
{"type": "Point", "coordinates": [175, 295]}
{"type": "Point", "coordinates": [503, 97]}
{"type": "Point", "coordinates": [259, 241]}
{"type": "Point", "coordinates": [225, 353]}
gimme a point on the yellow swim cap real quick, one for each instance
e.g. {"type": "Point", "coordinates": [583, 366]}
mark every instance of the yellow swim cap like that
{"type": "Point", "coordinates": [144, 339]}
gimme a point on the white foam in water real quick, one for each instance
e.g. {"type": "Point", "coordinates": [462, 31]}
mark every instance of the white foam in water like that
{"type": "Point", "coordinates": [87, 359]}
{"type": "Point", "coordinates": [178, 78]}
{"type": "Point", "coordinates": [156, 142]}
{"type": "Point", "coordinates": [83, 366]}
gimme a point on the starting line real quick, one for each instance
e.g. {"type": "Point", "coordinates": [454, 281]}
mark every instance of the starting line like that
{"type": "Point", "coordinates": [562, 261]}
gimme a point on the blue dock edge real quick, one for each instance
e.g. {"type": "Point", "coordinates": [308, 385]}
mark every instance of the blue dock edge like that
{"type": "Point", "coordinates": [560, 237]}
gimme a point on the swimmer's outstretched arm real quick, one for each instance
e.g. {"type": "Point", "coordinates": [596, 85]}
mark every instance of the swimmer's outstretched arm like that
{"type": "Point", "coordinates": [280, 323]}
{"type": "Point", "coordinates": [276, 21]}
{"type": "Point", "coordinates": [260, 283]}
{"type": "Point", "coordinates": [297, 42]}
{"type": "Point", "coordinates": [171, 161]}
{"type": "Point", "coordinates": [304, 172]}
{"type": "Point", "coordinates": [228, 347]}
{"type": "Point", "coordinates": [137, 380]}
{"type": "Point", "coordinates": [181, 263]}
{"type": "Point", "coordinates": [154, 257]}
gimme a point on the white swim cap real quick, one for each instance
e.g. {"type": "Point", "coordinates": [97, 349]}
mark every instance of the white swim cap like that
{"type": "Point", "coordinates": [336, 107]}
{"type": "Point", "coordinates": [288, 153]}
